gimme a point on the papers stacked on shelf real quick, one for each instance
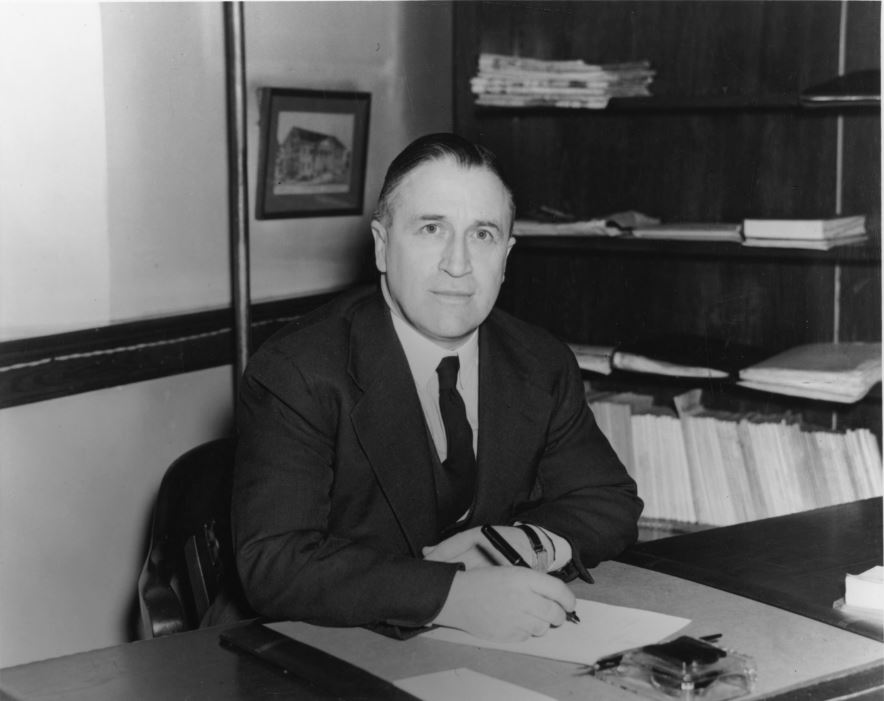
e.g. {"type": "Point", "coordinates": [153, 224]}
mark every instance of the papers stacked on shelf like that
{"type": "Point", "coordinates": [837, 372]}
{"type": "Point", "coordinates": [589, 227]}
{"type": "Point", "coordinates": [691, 356]}
{"type": "Point", "coordinates": [713, 467]}
{"type": "Point", "coordinates": [514, 81]}
{"type": "Point", "coordinates": [593, 358]}
{"type": "Point", "coordinates": [819, 234]}
{"type": "Point", "coordinates": [551, 222]}
{"type": "Point", "coordinates": [691, 231]}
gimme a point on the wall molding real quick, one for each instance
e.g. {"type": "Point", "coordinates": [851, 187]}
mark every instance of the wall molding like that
{"type": "Point", "coordinates": [59, 365]}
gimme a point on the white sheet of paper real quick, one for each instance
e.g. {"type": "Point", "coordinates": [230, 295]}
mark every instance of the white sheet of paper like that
{"type": "Point", "coordinates": [603, 630]}
{"type": "Point", "coordinates": [464, 683]}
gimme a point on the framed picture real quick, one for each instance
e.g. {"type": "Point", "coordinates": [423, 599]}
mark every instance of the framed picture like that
{"type": "Point", "coordinates": [311, 160]}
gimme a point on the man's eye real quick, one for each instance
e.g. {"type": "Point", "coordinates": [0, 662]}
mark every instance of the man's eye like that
{"type": "Point", "coordinates": [484, 235]}
{"type": "Point", "coordinates": [431, 228]}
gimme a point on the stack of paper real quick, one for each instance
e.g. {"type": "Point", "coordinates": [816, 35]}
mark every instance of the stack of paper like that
{"type": "Point", "coordinates": [821, 234]}
{"type": "Point", "coordinates": [838, 372]}
{"type": "Point", "coordinates": [865, 590]}
{"type": "Point", "coordinates": [718, 468]}
{"type": "Point", "coordinates": [588, 227]}
{"type": "Point", "coordinates": [514, 81]}
{"type": "Point", "coordinates": [604, 630]}
{"type": "Point", "coordinates": [593, 358]}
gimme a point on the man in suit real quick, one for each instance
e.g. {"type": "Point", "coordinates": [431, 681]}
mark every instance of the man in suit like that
{"type": "Point", "coordinates": [379, 433]}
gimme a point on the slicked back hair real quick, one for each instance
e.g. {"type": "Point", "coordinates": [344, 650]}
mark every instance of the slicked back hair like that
{"type": "Point", "coordinates": [435, 147]}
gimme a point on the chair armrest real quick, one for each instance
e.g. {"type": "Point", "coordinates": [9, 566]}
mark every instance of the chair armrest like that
{"type": "Point", "coordinates": [161, 609]}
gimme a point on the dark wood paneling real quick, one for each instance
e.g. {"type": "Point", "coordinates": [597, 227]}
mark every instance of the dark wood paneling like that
{"type": "Point", "coordinates": [47, 367]}
{"type": "Point", "coordinates": [603, 298]}
{"type": "Point", "coordinates": [686, 162]}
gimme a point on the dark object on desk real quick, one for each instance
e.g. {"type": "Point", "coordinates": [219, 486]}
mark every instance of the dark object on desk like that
{"type": "Point", "coordinates": [323, 673]}
{"type": "Point", "coordinates": [190, 561]}
{"type": "Point", "coordinates": [684, 668]}
{"type": "Point", "coordinates": [794, 562]}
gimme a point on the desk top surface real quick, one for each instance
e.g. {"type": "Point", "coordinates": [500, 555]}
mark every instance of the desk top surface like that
{"type": "Point", "coordinates": [796, 562]}
{"type": "Point", "coordinates": [789, 651]}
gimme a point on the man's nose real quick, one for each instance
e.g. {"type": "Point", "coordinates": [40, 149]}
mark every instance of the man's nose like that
{"type": "Point", "coordinates": [456, 257]}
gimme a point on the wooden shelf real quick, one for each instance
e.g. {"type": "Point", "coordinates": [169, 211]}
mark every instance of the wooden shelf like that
{"type": "Point", "coordinates": [869, 252]}
{"type": "Point", "coordinates": [691, 103]}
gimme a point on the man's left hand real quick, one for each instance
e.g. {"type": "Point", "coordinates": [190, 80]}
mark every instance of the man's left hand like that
{"type": "Point", "coordinates": [472, 548]}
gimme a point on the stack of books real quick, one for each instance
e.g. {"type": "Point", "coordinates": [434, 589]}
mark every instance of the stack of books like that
{"type": "Point", "coordinates": [514, 81]}
{"type": "Point", "coordinates": [836, 372]}
{"type": "Point", "coordinates": [694, 465]}
{"type": "Point", "coordinates": [818, 234]}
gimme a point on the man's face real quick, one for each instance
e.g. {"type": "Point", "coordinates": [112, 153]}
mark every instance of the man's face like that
{"type": "Point", "coordinates": [445, 247]}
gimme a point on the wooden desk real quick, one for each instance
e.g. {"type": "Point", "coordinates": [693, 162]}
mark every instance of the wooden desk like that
{"type": "Point", "coordinates": [796, 562]}
{"type": "Point", "coordinates": [789, 651]}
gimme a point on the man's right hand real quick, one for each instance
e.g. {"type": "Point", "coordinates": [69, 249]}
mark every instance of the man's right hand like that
{"type": "Point", "coordinates": [505, 604]}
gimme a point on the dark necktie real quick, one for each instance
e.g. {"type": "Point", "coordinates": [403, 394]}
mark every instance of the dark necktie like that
{"type": "Point", "coordinates": [454, 486]}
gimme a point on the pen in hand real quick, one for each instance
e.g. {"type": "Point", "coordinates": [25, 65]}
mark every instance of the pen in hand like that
{"type": "Point", "coordinates": [509, 552]}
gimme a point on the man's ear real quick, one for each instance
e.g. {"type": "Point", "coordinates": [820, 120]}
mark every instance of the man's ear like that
{"type": "Point", "coordinates": [379, 234]}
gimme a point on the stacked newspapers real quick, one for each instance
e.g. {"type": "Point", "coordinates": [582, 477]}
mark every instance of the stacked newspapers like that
{"type": "Point", "coordinates": [514, 81]}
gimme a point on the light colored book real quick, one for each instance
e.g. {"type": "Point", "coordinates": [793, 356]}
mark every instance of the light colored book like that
{"type": "Point", "coordinates": [807, 244]}
{"type": "Point", "coordinates": [841, 372]}
{"type": "Point", "coordinates": [816, 229]}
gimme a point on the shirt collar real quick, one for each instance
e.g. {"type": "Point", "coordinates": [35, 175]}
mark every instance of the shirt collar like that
{"type": "Point", "coordinates": [424, 355]}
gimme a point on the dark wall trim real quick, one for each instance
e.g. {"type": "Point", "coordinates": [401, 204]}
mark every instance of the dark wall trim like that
{"type": "Point", "coordinates": [47, 367]}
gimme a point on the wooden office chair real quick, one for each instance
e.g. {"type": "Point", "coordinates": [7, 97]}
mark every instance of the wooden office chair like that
{"type": "Point", "coordinates": [190, 559]}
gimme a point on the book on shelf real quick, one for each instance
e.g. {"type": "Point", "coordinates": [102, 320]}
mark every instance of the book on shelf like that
{"type": "Point", "coordinates": [839, 372]}
{"type": "Point", "coordinates": [804, 229]}
{"type": "Point", "coordinates": [688, 356]}
{"type": "Point", "coordinates": [691, 231]}
{"type": "Point", "coordinates": [807, 244]}
{"type": "Point", "coordinates": [697, 465]}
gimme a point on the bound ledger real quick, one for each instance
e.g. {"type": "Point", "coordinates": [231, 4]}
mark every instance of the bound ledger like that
{"type": "Point", "coordinates": [839, 372]}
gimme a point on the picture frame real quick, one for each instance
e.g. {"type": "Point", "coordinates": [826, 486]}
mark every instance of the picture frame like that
{"type": "Point", "coordinates": [312, 154]}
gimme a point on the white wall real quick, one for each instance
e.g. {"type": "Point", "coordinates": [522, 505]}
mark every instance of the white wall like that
{"type": "Point", "coordinates": [54, 262]}
{"type": "Point", "coordinates": [136, 109]}
{"type": "Point", "coordinates": [76, 486]}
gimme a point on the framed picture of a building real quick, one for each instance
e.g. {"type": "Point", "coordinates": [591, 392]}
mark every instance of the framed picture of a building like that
{"type": "Point", "coordinates": [311, 160]}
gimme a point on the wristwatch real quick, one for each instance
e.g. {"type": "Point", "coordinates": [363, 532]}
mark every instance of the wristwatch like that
{"type": "Point", "coordinates": [541, 556]}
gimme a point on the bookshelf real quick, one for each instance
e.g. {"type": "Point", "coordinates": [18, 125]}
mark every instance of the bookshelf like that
{"type": "Point", "coordinates": [724, 138]}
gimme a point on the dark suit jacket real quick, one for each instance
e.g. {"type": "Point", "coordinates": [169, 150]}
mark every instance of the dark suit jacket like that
{"type": "Point", "coordinates": [334, 496]}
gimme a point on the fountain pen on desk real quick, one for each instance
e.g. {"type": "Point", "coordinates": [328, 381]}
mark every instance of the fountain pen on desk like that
{"type": "Point", "coordinates": [509, 552]}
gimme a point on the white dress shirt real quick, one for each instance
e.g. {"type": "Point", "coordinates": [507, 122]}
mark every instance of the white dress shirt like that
{"type": "Point", "coordinates": [423, 358]}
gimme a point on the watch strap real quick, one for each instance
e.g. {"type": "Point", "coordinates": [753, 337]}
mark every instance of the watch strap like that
{"type": "Point", "coordinates": [541, 556]}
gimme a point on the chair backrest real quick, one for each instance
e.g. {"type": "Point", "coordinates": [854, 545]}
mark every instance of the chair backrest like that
{"type": "Point", "coordinates": [190, 560]}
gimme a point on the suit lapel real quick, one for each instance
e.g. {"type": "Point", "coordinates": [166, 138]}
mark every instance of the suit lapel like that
{"type": "Point", "coordinates": [512, 414]}
{"type": "Point", "coordinates": [389, 423]}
